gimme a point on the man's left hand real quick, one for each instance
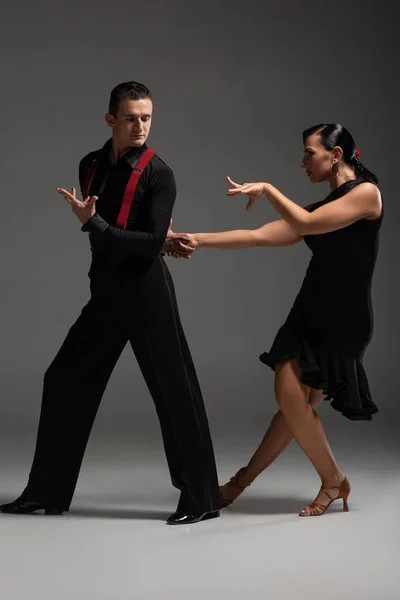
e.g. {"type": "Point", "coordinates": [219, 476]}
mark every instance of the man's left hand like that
{"type": "Point", "coordinates": [85, 209]}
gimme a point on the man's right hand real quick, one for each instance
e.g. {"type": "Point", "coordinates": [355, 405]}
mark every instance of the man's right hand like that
{"type": "Point", "coordinates": [83, 210]}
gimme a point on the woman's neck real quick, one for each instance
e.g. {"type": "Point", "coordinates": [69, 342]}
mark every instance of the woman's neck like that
{"type": "Point", "coordinates": [343, 175]}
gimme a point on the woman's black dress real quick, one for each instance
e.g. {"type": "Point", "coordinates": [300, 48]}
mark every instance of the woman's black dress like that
{"type": "Point", "coordinates": [330, 324]}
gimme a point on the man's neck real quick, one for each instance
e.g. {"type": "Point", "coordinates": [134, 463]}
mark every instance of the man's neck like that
{"type": "Point", "coordinates": [116, 151]}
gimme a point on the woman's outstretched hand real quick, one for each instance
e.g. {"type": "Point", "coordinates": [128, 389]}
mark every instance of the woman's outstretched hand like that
{"type": "Point", "coordinates": [254, 191]}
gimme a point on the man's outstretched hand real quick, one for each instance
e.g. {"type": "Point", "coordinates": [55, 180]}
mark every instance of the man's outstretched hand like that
{"type": "Point", "coordinates": [85, 209]}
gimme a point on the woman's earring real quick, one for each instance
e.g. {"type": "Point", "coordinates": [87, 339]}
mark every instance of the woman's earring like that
{"type": "Point", "coordinates": [332, 168]}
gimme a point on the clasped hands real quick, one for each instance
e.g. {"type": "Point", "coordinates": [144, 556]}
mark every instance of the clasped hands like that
{"type": "Point", "coordinates": [182, 245]}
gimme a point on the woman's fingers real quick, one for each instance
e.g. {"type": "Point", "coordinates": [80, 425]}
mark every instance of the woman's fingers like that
{"type": "Point", "coordinates": [236, 185]}
{"type": "Point", "coordinates": [187, 248]}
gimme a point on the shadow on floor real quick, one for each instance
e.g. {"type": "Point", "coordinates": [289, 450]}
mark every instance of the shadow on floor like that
{"type": "Point", "coordinates": [275, 505]}
{"type": "Point", "coordinates": [93, 512]}
{"type": "Point", "coordinates": [102, 512]}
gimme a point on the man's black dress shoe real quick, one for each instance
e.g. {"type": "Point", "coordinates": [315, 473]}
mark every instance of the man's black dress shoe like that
{"type": "Point", "coordinates": [27, 507]}
{"type": "Point", "coordinates": [182, 518]}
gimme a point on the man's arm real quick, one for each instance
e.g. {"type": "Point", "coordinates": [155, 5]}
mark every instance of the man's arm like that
{"type": "Point", "coordinates": [145, 243]}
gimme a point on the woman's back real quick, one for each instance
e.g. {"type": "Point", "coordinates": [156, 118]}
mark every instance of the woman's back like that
{"type": "Point", "coordinates": [335, 297]}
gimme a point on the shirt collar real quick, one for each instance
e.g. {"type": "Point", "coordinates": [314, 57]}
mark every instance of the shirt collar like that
{"type": "Point", "coordinates": [131, 157]}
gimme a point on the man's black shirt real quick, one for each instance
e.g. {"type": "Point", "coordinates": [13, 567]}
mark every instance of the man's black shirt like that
{"type": "Point", "coordinates": [131, 250]}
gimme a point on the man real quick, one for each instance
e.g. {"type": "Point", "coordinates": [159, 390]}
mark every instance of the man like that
{"type": "Point", "coordinates": [129, 193]}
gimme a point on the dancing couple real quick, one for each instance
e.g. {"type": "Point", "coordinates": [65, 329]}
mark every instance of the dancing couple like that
{"type": "Point", "coordinates": [128, 194]}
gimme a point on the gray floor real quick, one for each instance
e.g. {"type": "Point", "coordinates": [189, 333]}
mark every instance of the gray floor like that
{"type": "Point", "coordinates": [114, 545]}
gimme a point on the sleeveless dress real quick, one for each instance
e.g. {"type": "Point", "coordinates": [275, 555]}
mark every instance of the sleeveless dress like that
{"type": "Point", "coordinates": [330, 324]}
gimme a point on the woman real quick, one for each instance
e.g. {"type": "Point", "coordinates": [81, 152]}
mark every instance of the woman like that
{"type": "Point", "coordinates": [318, 352]}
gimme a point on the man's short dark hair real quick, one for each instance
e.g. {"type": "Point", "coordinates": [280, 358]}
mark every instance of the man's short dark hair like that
{"type": "Point", "coordinates": [129, 89]}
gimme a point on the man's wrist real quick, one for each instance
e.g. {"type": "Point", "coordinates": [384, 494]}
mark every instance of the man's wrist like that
{"type": "Point", "coordinates": [95, 224]}
{"type": "Point", "coordinates": [85, 223]}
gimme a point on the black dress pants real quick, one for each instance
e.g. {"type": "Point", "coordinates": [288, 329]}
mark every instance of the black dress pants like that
{"type": "Point", "coordinates": [143, 311]}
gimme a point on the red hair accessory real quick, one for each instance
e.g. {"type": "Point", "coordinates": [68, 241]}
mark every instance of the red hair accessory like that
{"type": "Point", "coordinates": [357, 153]}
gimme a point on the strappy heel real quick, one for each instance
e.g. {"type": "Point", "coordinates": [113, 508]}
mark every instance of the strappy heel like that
{"type": "Point", "coordinates": [233, 489]}
{"type": "Point", "coordinates": [316, 509]}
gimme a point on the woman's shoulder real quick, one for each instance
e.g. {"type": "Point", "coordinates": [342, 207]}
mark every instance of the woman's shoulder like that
{"type": "Point", "coordinates": [367, 193]}
{"type": "Point", "coordinates": [366, 187]}
{"type": "Point", "coordinates": [356, 189]}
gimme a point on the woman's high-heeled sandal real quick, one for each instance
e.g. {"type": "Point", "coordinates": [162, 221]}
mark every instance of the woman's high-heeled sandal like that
{"type": "Point", "coordinates": [316, 509]}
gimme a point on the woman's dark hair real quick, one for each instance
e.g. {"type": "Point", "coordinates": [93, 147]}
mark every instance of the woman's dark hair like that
{"type": "Point", "coordinates": [332, 135]}
{"type": "Point", "coordinates": [129, 89]}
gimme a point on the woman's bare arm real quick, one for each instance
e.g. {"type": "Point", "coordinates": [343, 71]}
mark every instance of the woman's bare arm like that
{"type": "Point", "coordinates": [275, 234]}
{"type": "Point", "coordinates": [362, 202]}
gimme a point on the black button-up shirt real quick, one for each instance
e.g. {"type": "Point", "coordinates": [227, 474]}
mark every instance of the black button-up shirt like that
{"type": "Point", "coordinates": [132, 249]}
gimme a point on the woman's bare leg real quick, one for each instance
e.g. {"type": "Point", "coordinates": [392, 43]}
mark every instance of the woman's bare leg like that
{"type": "Point", "coordinates": [305, 425]}
{"type": "Point", "coordinates": [277, 438]}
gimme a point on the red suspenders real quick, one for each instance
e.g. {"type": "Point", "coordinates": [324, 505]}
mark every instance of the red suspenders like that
{"type": "Point", "coordinates": [130, 186]}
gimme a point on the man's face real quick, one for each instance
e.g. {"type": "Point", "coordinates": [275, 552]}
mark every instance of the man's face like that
{"type": "Point", "coordinates": [131, 126]}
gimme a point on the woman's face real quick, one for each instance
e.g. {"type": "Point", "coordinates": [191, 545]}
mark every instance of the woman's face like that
{"type": "Point", "coordinates": [317, 161]}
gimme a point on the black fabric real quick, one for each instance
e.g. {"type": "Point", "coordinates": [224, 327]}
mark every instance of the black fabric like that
{"type": "Point", "coordinates": [331, 322]}
{"type": "Point", "coordinates": [143, 312]}
{"type": "Point", "coordinates": [130, 250]}
{"type": "Point", "coordinates": [132, 299]}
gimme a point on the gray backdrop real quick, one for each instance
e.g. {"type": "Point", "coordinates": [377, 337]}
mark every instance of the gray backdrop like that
{"type": "Point", "coordinates": [234, 85]}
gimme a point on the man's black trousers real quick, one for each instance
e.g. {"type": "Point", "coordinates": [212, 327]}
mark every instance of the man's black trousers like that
{"type": "Point", "coordinates": [143, 311]}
